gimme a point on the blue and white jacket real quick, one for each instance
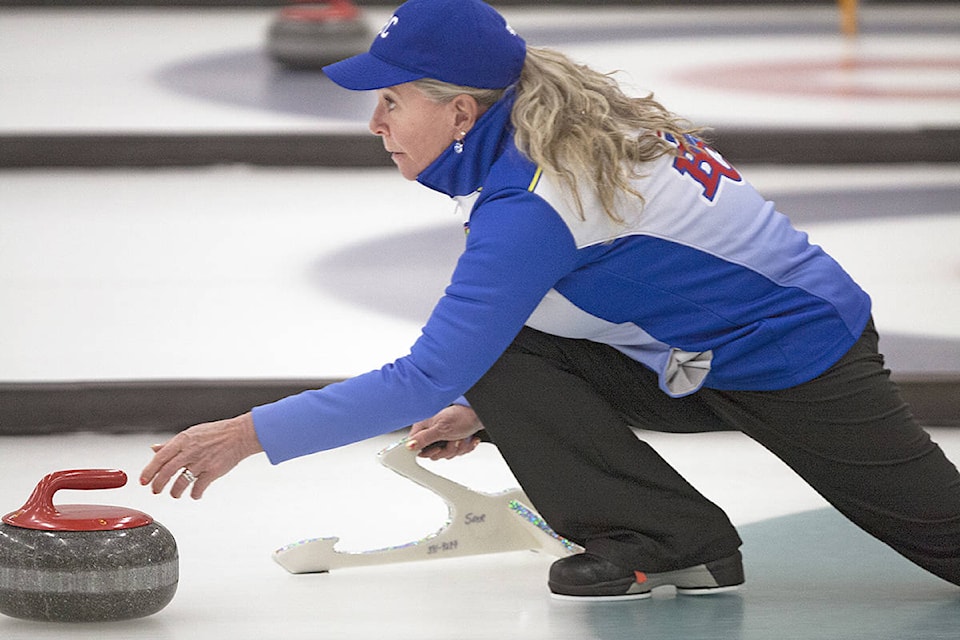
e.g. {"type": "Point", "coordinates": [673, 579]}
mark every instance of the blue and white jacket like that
{"type": "Point", "coordinates": [702, 281]}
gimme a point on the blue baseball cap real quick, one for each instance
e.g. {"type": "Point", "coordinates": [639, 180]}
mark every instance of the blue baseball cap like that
{"type": "Point", "coordinates": [464, 42]}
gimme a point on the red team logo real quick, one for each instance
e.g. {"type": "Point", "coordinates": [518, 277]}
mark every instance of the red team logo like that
{"type": "Point", "coordinates": [704, 165]}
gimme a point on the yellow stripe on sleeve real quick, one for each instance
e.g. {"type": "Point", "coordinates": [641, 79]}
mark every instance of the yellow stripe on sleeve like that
{"type": "Point", "coordinates": [536, 179]}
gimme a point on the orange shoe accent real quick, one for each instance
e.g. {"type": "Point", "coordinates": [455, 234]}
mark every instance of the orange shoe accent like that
{"type": "Point", "coordinates": [640, 576]}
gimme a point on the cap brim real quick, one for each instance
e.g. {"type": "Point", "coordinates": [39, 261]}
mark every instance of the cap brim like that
{"type": "Point", "coordinates": [365, 72]}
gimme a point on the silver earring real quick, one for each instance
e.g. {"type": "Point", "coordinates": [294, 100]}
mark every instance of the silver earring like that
{"type": "Point", "coordinates": [458, 144]}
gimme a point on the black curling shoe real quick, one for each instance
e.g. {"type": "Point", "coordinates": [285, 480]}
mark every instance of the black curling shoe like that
{"type": "Point", "coordinates": [588, 577]}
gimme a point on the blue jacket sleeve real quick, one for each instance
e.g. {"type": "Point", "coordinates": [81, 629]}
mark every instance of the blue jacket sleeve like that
{"type": "Point", "coordinates": [517, 248]}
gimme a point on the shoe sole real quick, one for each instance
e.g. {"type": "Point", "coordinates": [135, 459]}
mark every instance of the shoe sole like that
{"type": "Point", "coordinates": [708, 591]}
{"type": "Point", "coordinates": [622, 598]}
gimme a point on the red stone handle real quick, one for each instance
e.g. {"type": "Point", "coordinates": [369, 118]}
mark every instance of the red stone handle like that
{"type": "Point", "coordinates": [39, 511]}
{"type": "Point", "coordinates": [332, 11]}
{"type": "Point", "coordinates": [80, 479]}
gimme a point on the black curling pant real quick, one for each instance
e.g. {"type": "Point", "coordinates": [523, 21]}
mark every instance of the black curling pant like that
{"type": "Point", "coordinates": [560, 410]}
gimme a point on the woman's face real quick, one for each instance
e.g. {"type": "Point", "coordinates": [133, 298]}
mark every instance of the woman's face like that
{"type": "Point", "coordinates": [414, 128]}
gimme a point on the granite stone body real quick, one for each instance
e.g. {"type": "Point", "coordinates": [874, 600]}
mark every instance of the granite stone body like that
{"type": "Point", "coordinates": [75, 576]}
{"type": "Point", "coordinates": [312, 36]}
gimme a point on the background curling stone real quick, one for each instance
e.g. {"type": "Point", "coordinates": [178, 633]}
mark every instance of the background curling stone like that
{"type": "Point", "coordinates": [81, 563]}
{"type": "Point", "coordinates": [313, 34]}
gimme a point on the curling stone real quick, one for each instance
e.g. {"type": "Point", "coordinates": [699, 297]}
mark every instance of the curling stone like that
{"type": "Point", "coordinates": [313, 34]}
{"type": "Point", "coordinates": [84, 563]}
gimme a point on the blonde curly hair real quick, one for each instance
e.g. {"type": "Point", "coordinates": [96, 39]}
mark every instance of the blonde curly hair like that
{"type": "Point", "coordinates": [578, 125]}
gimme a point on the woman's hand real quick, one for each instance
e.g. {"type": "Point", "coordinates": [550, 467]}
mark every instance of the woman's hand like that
{"type": "Point", "coordinates": [451, 432]}
{"type": "Point", "coordinates": [207, 451]}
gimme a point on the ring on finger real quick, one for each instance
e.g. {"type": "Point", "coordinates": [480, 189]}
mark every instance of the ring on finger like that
{"type": "Point", "coordinates": [188, 476]}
